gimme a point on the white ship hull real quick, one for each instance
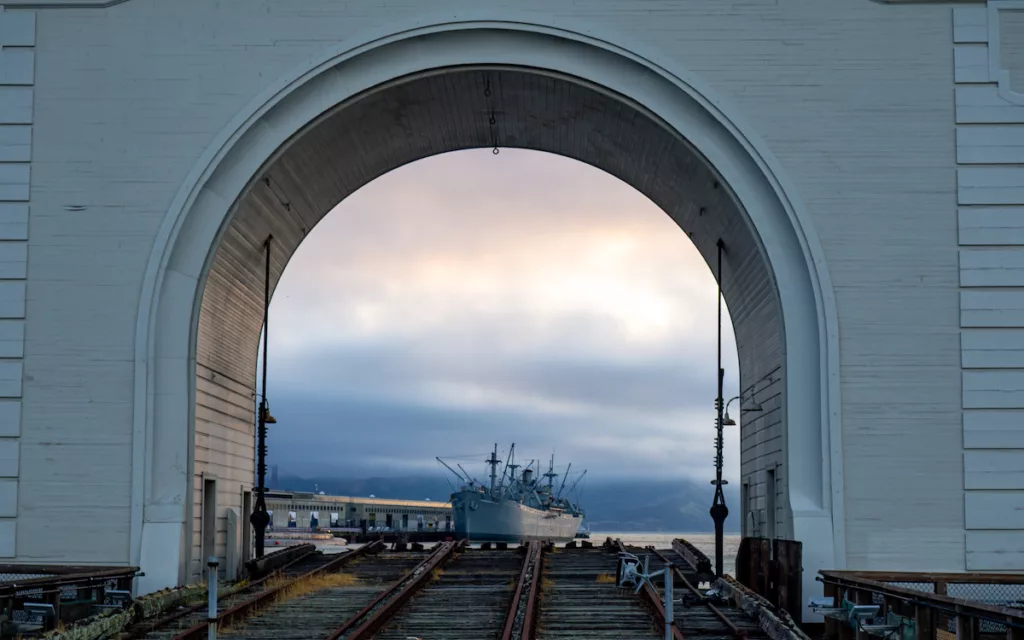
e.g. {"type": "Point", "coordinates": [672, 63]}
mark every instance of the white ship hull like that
{"type": "Point", "coordinates": [478, 519]}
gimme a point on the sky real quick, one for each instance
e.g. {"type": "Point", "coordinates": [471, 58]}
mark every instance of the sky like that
{"type": "Point", "coordinates": [470, 299]}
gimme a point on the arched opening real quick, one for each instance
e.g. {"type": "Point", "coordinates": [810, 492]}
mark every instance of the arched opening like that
{"type": "Point", "coordinates": [355, 116]}
{"type": "Point", "coordinates": [468, 299]}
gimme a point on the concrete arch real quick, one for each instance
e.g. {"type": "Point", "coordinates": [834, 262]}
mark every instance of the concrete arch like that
{"type": "Point", "coordinates": [181, 260]}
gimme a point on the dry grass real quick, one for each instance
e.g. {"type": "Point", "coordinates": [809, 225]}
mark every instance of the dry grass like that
{"type": "Point", "coordinates": [605, 578]}
{"type": "Point", "coordinates": [293, 591]}
{"type": "Point", "coordinates": [436, 575]}
{"type": "Point", "coordinates": [546, 583]}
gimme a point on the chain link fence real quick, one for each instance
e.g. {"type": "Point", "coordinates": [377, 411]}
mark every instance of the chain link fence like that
{"type": "Point", "coordinates": [994, 590]}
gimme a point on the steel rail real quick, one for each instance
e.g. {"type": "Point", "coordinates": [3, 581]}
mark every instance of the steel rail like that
{"type": "Point", "coordinates": [531, 559]}
{"type": "Point", "coordinates": [733, 629]}
{"type": "Point", "coordinates": [532, 598]}
{"type": "Point", "coordinates": [146, 627]}
{"type": "Point", "coordinates": [654, 602]}
{"type": "Point", "coordinates": [242, 609]}
{"type": "Point", "coordinates": [387, 603]}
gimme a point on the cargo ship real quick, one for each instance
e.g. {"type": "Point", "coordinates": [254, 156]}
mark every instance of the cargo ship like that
{"type": "Point", "coordinates": [514, 508]}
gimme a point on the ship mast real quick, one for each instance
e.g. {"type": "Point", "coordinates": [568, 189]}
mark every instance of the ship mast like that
{"type": "Point", "coordinates": [550, 475]}
{"type": "Point", "coordinates": [493, 461]}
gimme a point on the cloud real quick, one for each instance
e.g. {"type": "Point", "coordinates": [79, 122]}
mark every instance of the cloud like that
{"type": "Point", "coordinates": [467, 299]}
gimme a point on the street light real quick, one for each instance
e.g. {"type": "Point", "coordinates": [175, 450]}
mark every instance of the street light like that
{"type": "Point", "coordinates": [719, 512]}
{"type": "Point", "coordinates": [260, 518]}
{"type": "Point", "coordinates": [729, 422]}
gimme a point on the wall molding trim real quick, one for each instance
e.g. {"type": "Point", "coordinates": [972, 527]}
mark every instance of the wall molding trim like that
{"type": "Point", "coordinates": [60, 4]}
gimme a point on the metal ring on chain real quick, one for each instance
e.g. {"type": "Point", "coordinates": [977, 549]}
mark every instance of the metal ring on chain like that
{"type": "Point", "coordinates": [495, 151]}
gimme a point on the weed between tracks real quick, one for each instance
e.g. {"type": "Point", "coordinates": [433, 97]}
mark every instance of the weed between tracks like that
{"type": "Point", "coordinates": [605, 578]}
{"type": "Point", "coordinates": [293, 591]}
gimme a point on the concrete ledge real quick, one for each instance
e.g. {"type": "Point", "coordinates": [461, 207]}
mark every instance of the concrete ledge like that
{"type": "Point", "coordinates": [271, 562]}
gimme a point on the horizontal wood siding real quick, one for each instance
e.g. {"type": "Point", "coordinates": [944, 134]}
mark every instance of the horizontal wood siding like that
{"type": "Point", "coordinates": [224, 450]}
{"type": "Point", "coordinates": [990, 179]}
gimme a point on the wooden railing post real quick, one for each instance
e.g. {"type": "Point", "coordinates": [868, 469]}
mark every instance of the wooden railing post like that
{"type": "Point", "coordinates": [966, 628]}
{"type": "Point", "coordinates": [830, 622]}
{"type": "Point", "coordinates": [845, 630]}
{"type": "Point", "coordinates": [1014, 633]}
{"type": "Point", "coordinates": [924, 623]}
{"type": "Point", "coordinates": [862, 597]}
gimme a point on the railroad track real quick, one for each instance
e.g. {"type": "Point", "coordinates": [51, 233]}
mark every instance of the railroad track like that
{"type": "Point", "coordinates": [192, 617]}
{"type": "Point", "coordinates": [579, 599]}
{"type": "Point", "coordinates": [697, 616]}
{"type": "Point", "coordinates": [463, 594]}
{"type": "Point", "coordinates": [469, 600]}
{"type": "Point", "coordinates": [337, 598]}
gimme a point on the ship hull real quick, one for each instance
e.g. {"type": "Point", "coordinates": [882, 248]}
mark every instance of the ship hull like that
{"type": "Point", "coordinates": [478, 519]}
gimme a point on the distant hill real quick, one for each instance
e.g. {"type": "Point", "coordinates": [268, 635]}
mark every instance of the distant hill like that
{"type": "Point", "coordinates": [611, 505]}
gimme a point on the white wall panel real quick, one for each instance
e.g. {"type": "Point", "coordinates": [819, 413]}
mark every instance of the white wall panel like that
{"type": "Point", "coordinates": [970, 24]}
{"type": "Point", "coordinates": [992, 348]}
{"type": "Point", "coordinates": [991, 226]}
{"type": "Point", "coordinates": [993, 389]}
{"type": "Point", "coordinates": [8, 538]}
{"type": "Point", "coordinates": [1002, 308]}
{"type": "Point", "coordinates": [8, 498]}
{"type": "Point", "coordinates": [13, 259]}
{"type": "Point", "coordinates": [983, 104]}
{"type": "Point", "coordinates": [12, 299]}
{"type": "Point", "coordinates": [10, 378]}
{"type": "Point", "coordinates": [995, 509]}
{"type": "Point", "coordinates": [10, 418]}
{"type": "Point", "coordinates": [15, 143]}
{"type": "Point", "coordinates": [17, 66]}
{"type": "Point", "coordinates": [16, 105]}
{"type": "Point", "coordinates": [991, 185]}
{"type": "Point", "coordinates": [12, 338]}
{"type": "Point", "coordinates": [17, 29]}
{"type": "Point", "coordinates": [987, 144]}
{"type": "Point", "coordinates": [995, 550]}
{"type": "Point", "coordinates": [994, 469]}
{"type": "Point", "coordinates": [9, 457]}
{"type": "Point", "coordinates": [992, 267]}
{"type": "Point", "coordinates": [994, 429]}
{"type": "Point", "coordinates": [970, 63]}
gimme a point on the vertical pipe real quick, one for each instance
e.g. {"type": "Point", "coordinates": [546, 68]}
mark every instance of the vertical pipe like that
{"type": "Point", "coordinates": [259, 517]}
{"type": "Point", "coordinates": [669, 611]}
{"type": "Point", "coordinates": [211, 588]}
{"type": "Point", "coordinates": [719, 512]}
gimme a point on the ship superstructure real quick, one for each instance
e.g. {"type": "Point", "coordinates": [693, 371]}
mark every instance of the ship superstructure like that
{"type": "Point", "coordinates": [514, 507]}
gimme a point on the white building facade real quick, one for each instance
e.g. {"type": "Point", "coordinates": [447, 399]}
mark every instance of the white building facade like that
{"type": "Point", "coordinates": [861, 163]}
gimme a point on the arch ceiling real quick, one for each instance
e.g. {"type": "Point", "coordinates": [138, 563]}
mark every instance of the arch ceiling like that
{"type": "Point", "coordinates": [450, 110]}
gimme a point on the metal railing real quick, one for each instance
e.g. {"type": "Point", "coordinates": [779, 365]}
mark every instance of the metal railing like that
{"type": "Point", "coordinates": [923, 606]}
{"type": "Point", "coordinates": [39, 596]}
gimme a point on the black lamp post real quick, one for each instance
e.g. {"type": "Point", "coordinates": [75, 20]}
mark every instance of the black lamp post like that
{"type": "Point", "coordinates": [719, 512]}
{"type": "Point", "coordinates": [260, 518]}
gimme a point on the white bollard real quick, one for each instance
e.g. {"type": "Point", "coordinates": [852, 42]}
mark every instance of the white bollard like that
{"type": "Point", "coordinates": [669, 611]}
{"type": "Point", "coordinates": [211, 588]}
